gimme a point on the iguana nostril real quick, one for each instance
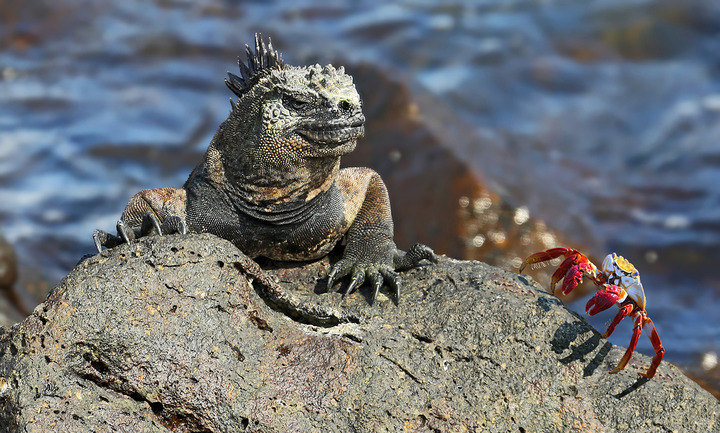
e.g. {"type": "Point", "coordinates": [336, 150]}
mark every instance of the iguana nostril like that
{"type": "Point", "coordinates": [345, 105]}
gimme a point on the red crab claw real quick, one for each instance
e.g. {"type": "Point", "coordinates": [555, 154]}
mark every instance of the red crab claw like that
{"type": "Point", "coordinates": [573, 276]}
{"type": "Point", "coordinates": [604, 299]}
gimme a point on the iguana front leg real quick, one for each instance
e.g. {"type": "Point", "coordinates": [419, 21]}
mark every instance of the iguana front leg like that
{"type": "Point", "coordinates": [151, 211]}
{"type": "Point", "coordinates": [370, 253]}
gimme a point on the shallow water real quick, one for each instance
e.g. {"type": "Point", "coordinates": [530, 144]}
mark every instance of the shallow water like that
{"type": "Point", "coordinates": [600, 118]}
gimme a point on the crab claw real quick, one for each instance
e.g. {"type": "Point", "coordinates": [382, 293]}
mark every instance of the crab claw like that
{"type": "Point", "coordinates": [573, 277]}
{"type": "Point", "coordinates": [604, 299]}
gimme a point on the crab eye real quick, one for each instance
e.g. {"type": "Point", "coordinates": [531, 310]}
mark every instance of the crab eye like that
{"type": "Point", "coordinates": [295, 104]}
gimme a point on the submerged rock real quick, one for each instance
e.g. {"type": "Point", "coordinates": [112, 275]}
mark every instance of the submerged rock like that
{"type": "Point", "coordinates": [185, 334]}
{"type": "Point", "coordinates": [8, 264]}
{"type": "Point", "coordinates": [10, 306]}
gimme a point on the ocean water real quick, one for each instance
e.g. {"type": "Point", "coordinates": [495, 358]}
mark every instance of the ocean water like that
{"type": "Point", "coordinates": [599, 118]}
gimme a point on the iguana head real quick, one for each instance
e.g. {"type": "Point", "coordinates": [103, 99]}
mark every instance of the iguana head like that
{"type": "Point", "coordinates": [295, 113]}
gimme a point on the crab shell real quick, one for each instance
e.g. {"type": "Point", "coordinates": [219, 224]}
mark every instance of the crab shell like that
{"type": "Point", "coordinates": [623, 274]}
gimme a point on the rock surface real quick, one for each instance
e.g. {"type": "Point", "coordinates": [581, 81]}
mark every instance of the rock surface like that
{"type": "Point", "coordinates": [178, 334]}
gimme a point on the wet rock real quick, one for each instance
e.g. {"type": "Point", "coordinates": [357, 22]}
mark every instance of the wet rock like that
{"type": "Point", "coordinates": [186, 334]}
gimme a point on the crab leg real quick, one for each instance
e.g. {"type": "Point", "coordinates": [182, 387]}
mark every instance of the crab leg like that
{"type": "Point", "coordinates": [657, 345]}
{"type": "Point", "coordinates": [624, 311]}
{"type": "Point", "coordinates": [637, 330]}
{"type": "Point", "coordinates": [546, 255]}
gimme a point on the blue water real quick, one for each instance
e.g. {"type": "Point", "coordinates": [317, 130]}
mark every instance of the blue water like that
{"type": "Point", "coordinates": [600, 117]}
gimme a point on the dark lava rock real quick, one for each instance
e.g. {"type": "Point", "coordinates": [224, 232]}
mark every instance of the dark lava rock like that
{"type": "Point", "coordinates": [186, 334]}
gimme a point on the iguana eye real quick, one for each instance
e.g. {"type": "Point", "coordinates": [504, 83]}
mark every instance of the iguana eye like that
{"type": "Point", "coordinates": [295, 104]}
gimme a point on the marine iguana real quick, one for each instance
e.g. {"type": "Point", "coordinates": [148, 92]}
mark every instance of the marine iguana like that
{"type": "Point", "coordinates": [271, 183]}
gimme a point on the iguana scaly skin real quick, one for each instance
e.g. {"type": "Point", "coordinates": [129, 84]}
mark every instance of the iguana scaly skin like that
{"type": "Point", "coordinates": [271, 183]}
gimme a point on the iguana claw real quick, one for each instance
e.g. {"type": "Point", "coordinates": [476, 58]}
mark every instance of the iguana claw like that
{"type": "Point", "coordinates": [357, 281]}
{"type": "Point", "coordinates": [150, 224]}
{"type": "Point", "coordinates": [125, 234]}
{"type": "Point", "coordinates": [174, 224]}
{"type": "Point", "coordinates": [105, 239]}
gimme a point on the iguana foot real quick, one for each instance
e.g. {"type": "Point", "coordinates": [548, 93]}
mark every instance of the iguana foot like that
{"type": "Point", "coordinates": [159, 211]}
{"type": "Point", "coordinates": [150, 225]}
{"type": "Point", "coordinates": [379, 268]}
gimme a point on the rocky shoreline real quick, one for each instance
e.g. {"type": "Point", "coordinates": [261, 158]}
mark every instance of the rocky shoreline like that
{"type": "Point", "coordinates": [185, 334]}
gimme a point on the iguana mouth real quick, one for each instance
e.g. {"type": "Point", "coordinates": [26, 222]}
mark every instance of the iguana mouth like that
{"type": "Point", "coordinates": [333, 134]}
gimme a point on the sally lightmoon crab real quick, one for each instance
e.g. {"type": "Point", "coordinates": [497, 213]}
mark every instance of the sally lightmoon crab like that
{"type": "Point", "coordinates": [619, 283]}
